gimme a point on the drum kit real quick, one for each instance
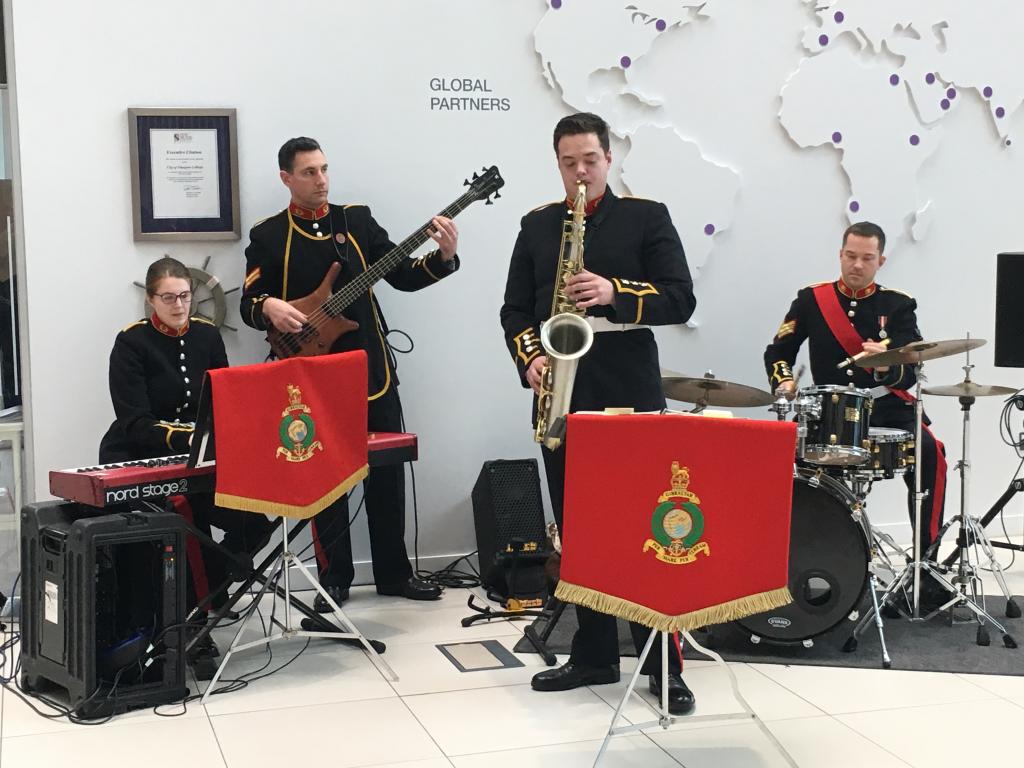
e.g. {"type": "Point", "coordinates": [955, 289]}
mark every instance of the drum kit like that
{"type": "Point", "coordinates": [835, 552]}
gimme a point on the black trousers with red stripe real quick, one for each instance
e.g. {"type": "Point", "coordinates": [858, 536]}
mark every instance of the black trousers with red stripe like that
{"type": "Point", "coordinates": [596, 642]}
{"type": "Point", "coordinates": [384, 492]}
{"type": "Point", "coordinates": [900, 415]}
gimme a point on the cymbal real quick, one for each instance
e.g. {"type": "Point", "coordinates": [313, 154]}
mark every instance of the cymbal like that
{"type": "Point", "coordinates": [918, 352]}
{"type": "Point", "coordinates": [969, 389]}
{"type": "Point", "coordinates": [712, 391]}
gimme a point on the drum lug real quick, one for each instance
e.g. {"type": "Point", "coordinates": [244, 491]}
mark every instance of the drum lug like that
{"type": "Point", "coordinates": [865, 444]}
{"type": "Point", "coordinates": [808, 643]}
{"type": "Point", "coordinates": [854, 615]}
{"type": "Point", "coordinates": [835, 398]}
{"type": "Point", "coordinates": [832, 439]}
{"type": "Point", "coordinates": [755, 639]}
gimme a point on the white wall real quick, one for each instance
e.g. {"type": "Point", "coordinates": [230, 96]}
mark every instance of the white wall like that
{"type": "Point", "coordinates": [356, 76]}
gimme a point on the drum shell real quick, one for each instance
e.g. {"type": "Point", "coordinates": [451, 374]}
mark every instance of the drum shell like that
{"type": "Point", "coordinates": [891, 453]}
{"type": "Point", "coordinates": [828, 547]}
{"type": "Point", "coordinates": [837, 429]}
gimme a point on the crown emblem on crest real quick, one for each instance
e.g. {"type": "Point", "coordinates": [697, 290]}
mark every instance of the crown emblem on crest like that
{"type": "Point", "coordinates": [677, 523]}
{"type": "Point", "coordinates": [294, 395]}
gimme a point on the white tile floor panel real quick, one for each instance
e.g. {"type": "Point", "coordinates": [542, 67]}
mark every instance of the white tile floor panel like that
{"type": "Point", "coordinates": [332, 707]}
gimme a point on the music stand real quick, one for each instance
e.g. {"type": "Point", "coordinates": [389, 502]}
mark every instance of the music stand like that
{"type": "Point", "coordinates": [277, 567]}
{"type": "Point", "coordinates": [601, 430]}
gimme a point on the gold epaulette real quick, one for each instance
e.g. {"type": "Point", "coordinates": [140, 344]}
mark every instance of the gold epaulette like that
{"type": "Point", "coordinates": [546, 205]}
{"type": "Point", "coordinates": [202, 320]}
{"type": "Point", "coordinates": [266, 218]}
{"type": "Point", "coordinates": [815, 285]}
{"type": "Point", "coordinates": [137, 322]}
{"type": "Point", "coordinates": [896, 290]}
{"type": "Point", "coordinates": [353, 205]}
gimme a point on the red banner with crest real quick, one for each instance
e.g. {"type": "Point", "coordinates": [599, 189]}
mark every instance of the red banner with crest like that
{"type": "Point", "coordinates": [677, 521]}
{"type": "Point", "coordinates": [291, 434]}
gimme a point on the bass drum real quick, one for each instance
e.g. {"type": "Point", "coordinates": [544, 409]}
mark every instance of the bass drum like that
{"type": "Point", "coordinates": [828, 563]}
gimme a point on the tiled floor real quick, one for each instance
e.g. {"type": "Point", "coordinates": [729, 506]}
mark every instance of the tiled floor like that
{"type": "Point", "coordinates": [331, 706]}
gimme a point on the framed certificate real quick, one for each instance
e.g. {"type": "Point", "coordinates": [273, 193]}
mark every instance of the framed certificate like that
{"type": "Point", "coordinates": [184, 174]}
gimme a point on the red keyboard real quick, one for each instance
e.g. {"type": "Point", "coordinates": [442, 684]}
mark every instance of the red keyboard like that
{"type": "Point", "coordinates": [156, 479]}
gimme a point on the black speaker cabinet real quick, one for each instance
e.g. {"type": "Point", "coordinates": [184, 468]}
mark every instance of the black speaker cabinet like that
{"type": "Point", "coordinates": [509, 517]}
{"type": "Point", "coordinates": [103, 603]}
{"type": "Point", "coordinates": [1009, 350]}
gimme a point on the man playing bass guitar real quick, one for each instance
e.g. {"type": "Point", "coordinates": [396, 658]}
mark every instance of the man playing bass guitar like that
{"type": "Point", "coordinates": [288, 257]}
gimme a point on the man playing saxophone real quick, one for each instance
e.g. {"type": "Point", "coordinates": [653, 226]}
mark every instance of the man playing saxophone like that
{"type": "Point", "coordinates": [635, 276]}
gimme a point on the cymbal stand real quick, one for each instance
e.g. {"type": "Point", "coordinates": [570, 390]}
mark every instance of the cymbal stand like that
{"type": "Point", "coordinates": [971, 531]}
{"type": "Point", "coordinates": [914, 570]}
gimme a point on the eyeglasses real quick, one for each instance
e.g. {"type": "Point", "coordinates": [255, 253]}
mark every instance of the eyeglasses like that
{"type": "Point", "coordinates": [170, 298]}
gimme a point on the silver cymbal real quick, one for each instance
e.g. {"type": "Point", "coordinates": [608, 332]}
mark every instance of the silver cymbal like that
{"type": "Point", "coordinates": [918, 352]}
{"type": "Point", "coordinates": [969, 389]}
{"type": "Point", "coordinates": [712, 391]}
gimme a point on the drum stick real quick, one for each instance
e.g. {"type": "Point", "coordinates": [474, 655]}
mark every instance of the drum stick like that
{"type": "Point", "coordinates": [859, 355]}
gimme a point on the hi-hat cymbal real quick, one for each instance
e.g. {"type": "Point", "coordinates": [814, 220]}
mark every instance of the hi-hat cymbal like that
{"type": "Point", "coordinates": [918, 352]}
{"type": "Point", "coordinates": [712, 391]}
{"type": "Point", "coordinates": [969, 389]}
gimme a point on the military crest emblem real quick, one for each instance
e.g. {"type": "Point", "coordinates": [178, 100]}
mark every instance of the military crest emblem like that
{"type": "Point", "coordinates": [297, 430]}
{"type": "Point", "coordinates": [677, 523]}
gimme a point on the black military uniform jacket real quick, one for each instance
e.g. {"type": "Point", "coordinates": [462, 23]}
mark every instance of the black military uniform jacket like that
{"type": "Point", "coordinates": [156, 374]}
{"type": "Point", "coordinates": [631, 242]}
{"type": "Point", "coordinates": [289, 254]}
{"type": "Point", "coordinates": [876, 312]}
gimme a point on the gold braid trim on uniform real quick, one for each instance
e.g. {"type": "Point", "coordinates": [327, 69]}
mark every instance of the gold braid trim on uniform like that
{"type": "Point", "coordinates": [422, 262]}
{"type": "Point", "coordinates": [171, 429]}
{"type": "Point", "coordinates": [785, 329]}
{"type": "Point", "coordinates": [634, 287]}
{"type": "Point", "coordinates": [252, 277]}
{"type": "Point", "coordinates": [684, 622]}
{"type": "Point", "coordinates": [137, 322]}
{"type": "Point", "coordinates": [527, 345]}
{"type": "Point", "coordinates": [781, 372]}
{"type": "Point", "coordinates": [304, 233]}
{"type": "Point", "coordinates": [203, 320]}
{"type": "Point", "coordinates": [373, 306]}
{"type": "Point", "coordinates": [247, 504]}
{"type": "Point", "coordinates": [287, 256]}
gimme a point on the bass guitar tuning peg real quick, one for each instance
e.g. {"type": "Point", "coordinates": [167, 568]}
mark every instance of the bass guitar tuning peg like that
{"type": "Point", "coordinates": [476, 176]}
{"type": "Point", "coordinates": [497, 194]}
{"type": "Point", "coordinates": [465, 182]}
{"type": "Point", "coordinates": [488, 201]}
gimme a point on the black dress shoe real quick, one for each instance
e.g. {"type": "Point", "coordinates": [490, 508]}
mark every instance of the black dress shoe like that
{"type": "Point", "coordinates": [413, 589]}
{"type": "Point", "coordinates": [338, 595]}
{"type": "Point", "coordinates": [571, 675]}
{"type": "Point", "coordinates": [680, 698]}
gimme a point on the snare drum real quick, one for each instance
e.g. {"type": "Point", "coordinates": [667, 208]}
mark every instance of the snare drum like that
{"type": "Point", "coordinates": [836, 421]}
{"type": "Point", "coordinates": [892, 451]}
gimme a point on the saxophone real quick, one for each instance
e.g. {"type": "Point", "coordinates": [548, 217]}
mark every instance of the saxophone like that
{"type": "Point", "coordinates": [566, 336]}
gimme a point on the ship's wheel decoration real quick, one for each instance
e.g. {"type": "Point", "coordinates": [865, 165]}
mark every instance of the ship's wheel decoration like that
{"type": "Point", "coordinates": [209, 297]}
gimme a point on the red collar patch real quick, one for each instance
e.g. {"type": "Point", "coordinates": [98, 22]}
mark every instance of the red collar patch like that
{"type": "Point", "coordinates": [166, 330]}
{"type": "Point", "coordinates": [591, 205]}
{"type": "Point", "coordinates": [849, 293]}
{"type": "Point", "coordinates": [308, 213]}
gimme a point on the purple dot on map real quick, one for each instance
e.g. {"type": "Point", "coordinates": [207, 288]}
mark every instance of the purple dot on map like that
{"type": "Point", "coordinates": [839, 17]}
{"type": "Point", "coordinates": [556, 4]}
{"type": "Point", "coordinates": [951, 93]}
{"type": "Point", "coordinates": [625, 61]}
{"type": "Point", "coordinates": [854, 206]}
{"type": "Point", "coordinates": [709, 229]}
{"type": "Point", "coordinates": [944, 103]}
{"type": "Point", "coordinates": [823, 40]}
{"type": "Point", "coordinates": [987, 92]}
{"type": "Point", "coordinates": [660, 25]}
{"type": "Point", "coordinates": [915, 139]}
{"type": "Point", "coordinates": [1000, 112]}
{"type": "Point", "coordinates": [929, 78]}
{"type": "Point", "coordinates": [894, 79]}
{"type": "Point", "coordinates": [837, 137]}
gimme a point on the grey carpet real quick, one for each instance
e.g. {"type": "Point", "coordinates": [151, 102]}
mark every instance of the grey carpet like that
{"type": "Point", "coordinates": [934, 646]}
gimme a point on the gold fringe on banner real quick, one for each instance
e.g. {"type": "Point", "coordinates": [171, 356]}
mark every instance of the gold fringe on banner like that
{"type": "Point", "coordinates": [300, 512]}
{"type": "Point", "coordinates": [684, 622]}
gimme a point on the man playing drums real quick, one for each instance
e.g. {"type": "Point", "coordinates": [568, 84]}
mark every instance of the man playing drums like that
{"type": "Point", "coordinates": [858, 311]}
